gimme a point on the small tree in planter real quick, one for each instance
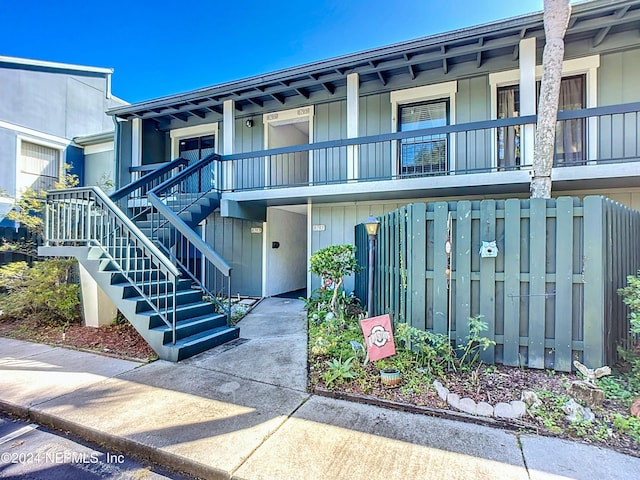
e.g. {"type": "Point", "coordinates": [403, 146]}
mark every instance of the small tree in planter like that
{"type": "Point", "coordinates": [334, 263]}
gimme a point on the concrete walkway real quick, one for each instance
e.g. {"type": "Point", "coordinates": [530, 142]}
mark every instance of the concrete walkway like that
{"type": "Point", "coordinates": [242, 411]}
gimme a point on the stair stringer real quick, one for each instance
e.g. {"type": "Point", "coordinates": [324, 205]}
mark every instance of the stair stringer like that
{"type": "Point", "coordinates": [155, 337]}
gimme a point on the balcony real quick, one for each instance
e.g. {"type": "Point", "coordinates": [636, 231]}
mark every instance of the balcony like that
{"type": "Point", "coordinates": [595, 148]}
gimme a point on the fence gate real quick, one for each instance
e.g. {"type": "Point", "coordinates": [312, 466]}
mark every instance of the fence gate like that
{"type": "Point", "coordinates": [548, 296]}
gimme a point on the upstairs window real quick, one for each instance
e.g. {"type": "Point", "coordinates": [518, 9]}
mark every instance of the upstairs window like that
{"type": "Point", "coordinates": [426, 154]}
{"type": "Point", "coordinates": [570, 134]}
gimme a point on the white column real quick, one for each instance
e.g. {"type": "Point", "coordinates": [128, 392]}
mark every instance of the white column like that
{"type": "Point", "coordinates": [136, 146]}
{"type": "Point", "coordinates": [97, 307]}
{"type": "Point", "coordinates": [229, 128]}
{"type": "Point", "coordinates": [353, 124]}
{"type": "Point", "coordinates": [527, 95]}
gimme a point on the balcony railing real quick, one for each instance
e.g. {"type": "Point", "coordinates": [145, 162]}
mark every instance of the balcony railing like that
{"type": "Point", "coordinates": [589, 136]}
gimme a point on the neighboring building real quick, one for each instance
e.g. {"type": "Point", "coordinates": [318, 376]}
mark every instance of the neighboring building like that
{"type": "Point", "coordinates": [43, 107]}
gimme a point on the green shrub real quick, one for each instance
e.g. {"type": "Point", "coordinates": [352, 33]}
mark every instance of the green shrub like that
{"type": "Point", "coordinates": [338, 371]}
{"type": "Point", "coordinates": [432, 351]}
{"type": "Point", "coordinates": [43, 291]}
{"type": "Point", "coordinates": [333, 263]}
{"type": "Point", "coordinates": [631, 297]}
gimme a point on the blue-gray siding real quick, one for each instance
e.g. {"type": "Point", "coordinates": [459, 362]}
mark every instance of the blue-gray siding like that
{"type": "Point", "coordinates": [233, 240]}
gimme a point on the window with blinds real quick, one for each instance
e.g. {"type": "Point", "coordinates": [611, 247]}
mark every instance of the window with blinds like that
{"type": "Point", "coordinates": [39, 166]}
{"type": "Point", "coordinates": [425, 154]}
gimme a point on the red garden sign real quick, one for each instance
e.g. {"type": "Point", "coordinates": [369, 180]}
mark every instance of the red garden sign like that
{"type": "Point", "coordinates": [378, 336]}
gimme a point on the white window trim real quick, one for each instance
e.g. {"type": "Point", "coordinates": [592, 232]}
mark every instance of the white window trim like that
{"type": "Point", "coordinates": [37, 141]}
{"type": "Point", "coordinates": [446, 90]}
{"type": "Point", "coordinates": [178, 134]}
{"type": "Point", "coordinates": [587, 66]}
{"type": "Point", "coordinates": [287, 117]}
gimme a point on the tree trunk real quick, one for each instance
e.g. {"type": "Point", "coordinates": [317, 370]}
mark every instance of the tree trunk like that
{"type": "Point", "coordinates": [556, 19]}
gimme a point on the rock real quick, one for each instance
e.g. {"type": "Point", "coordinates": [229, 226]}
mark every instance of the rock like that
{"type": "Point", "coordinates": [441, 389]}
{"type": "Point", "coordinates": [531, 399]}
{"type": "Point", "coordinates": [484, 409]}
{"type": "Point", "coordinates": [503, 410]}
{"type": "Point", "coordinates": [576, 412]}
{"type": "Point", "coordinates": [453, 399]}
{"type": "Point", "coordinates": [467, 405]}
{"type": "Point", "coordinates": [586, 393]}
{"type": "Point", "coordinates": [635, 408]}
{"type": "Point", "coordinates": [519, 408]}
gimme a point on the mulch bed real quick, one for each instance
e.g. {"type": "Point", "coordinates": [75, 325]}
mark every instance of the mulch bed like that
{"type": "Point", "coordinates": [119, 340]}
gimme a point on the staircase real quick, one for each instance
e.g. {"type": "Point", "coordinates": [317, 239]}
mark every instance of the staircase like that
{"type": "Point", "coordinates": [140, 247]}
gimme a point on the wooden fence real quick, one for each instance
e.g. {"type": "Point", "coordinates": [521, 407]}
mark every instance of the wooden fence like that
{"type": "Point", "coordinates": [549, 296]}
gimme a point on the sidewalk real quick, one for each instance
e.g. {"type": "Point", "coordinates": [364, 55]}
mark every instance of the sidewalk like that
{"type": "Point", "coordinates": [242, 411]}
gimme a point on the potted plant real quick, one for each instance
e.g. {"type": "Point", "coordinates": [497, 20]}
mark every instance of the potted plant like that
{"type": "Point", "coordinates": [390, 377]}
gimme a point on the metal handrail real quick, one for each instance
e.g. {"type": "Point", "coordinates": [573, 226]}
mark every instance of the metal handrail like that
{"type": "Point", "coordinates": [88, 216]}
{"type": "Point", "coordinates": [190, 185]}
{"type": "Point", "coordinates": [148, 178]}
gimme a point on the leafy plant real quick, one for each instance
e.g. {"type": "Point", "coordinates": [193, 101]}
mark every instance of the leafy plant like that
{"type": "Point", "coordinates": [338, 371]}
{"type": "Point", "coordinates": [43, 290]}
{"type": "Point", "coordinates": [333, 263]}
{"type": "Point", "coordinates": [631, 297]}
{"type": "Point", "coordinates": [629, 425]}
{"type": "Point", "coordinates": [470, 351]}
{"type": "Point", "coordinates": [28, 210]}
{"type": "Point", "coordinates": [431, 350]}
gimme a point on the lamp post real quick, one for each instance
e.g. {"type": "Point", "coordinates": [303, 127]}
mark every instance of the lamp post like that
{"type": "Point", "coordinates": [372, 224]}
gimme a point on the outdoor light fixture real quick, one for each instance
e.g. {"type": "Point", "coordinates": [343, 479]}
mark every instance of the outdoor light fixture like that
{"type": "Point", "coordinates": [249, 123]}
{"type": "Point", "coordinates": [372, 225]}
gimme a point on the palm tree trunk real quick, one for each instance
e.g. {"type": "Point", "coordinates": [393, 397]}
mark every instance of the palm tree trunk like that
{"type": "Point", "coordinates": [556, 19]}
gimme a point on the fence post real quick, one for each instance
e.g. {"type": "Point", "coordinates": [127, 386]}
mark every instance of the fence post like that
{"type": "Point", "coordinates": [537, 281]}
{"type": "Point", "coordinates": [593, 268]}
{"type": "Point", "coordinates": [462, 248]}
{"type": "Point", "coordinates": [488, 276]}
{"type": "Point", "coordinates": [511, 343]}
{"type": "Point", "coordinates": [440, 292]}
{"type": "Point", "coordinates": [564, 284]}
{"type": "Point", "coordinates": [418, 253]}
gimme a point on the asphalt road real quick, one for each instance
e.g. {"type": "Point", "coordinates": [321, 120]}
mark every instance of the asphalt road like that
{"type": "Point", "coordinates": [31, 452]}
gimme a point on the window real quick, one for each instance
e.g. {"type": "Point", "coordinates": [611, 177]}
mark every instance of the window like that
{"type": "Point", "coordinates": [570, 134]}
{"type": "Point", "coordinates": [427, 154]}
{"type": "Point", "coordinates": [39, 166]}
{"type": "Point", "coordinates": [196, 148]}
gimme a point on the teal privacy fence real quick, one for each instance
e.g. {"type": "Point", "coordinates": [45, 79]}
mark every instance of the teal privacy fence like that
{"type": "Point", "coordinates": [549, 296]}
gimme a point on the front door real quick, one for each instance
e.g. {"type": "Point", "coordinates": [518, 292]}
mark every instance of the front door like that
{"type": "Point", "coordinates": [196, 148]}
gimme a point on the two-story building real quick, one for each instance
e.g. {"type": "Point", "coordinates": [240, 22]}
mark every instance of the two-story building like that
{"type": "Point", "coordinates": [254, 175]}
{"type": "Point", "coordinates": [350, 120]}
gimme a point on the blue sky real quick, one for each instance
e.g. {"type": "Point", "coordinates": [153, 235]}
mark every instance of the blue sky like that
{"type": "Point", "coordinates": [159, 48]}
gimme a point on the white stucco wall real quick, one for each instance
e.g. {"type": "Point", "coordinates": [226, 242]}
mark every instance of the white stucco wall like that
{"type": "Point", "coordinates": [286, 265]}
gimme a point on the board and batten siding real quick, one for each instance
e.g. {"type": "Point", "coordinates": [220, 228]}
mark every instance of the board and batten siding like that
{"type": "Point", "coordinates": [473, 149]}
{"type": "Point", "coordinates": [330, 123]}
{"type": "Point", "coordinates": [233, 240]}
{"type": "Point", "coordinates": [338, 222]}
{"type": "Point", "coordinates": [618, 78]}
